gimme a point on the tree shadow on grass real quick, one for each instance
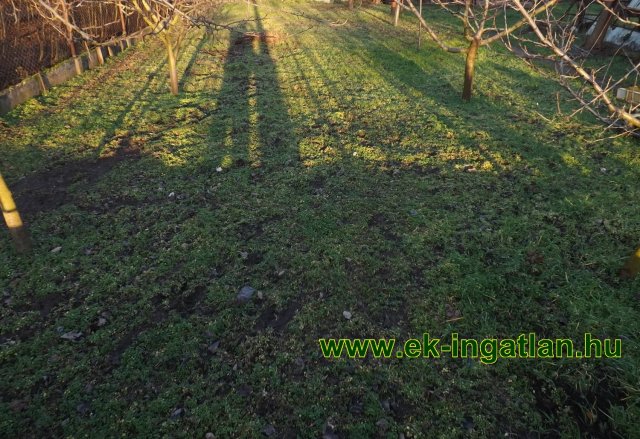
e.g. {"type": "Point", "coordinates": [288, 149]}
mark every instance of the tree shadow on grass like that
{"type": "Point", "coordinates": [390, 247]}
{"type": "Point", "coordinates": [255, 126]}
{"type": "Point", "coordinates": [547, 174]}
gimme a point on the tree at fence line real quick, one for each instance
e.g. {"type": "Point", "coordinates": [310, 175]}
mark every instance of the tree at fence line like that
{"type": "Point", "coordinates": [165, 21]}
{"type": "Point", "coordinates": [32, 38]}
{"type": "Point", "coordinates": [169, 20]}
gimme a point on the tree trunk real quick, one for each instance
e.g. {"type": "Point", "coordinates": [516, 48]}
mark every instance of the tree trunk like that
{"type": "Point", "coordinates": [69, 36]}
{"type": "Point", "coordinates": [173, 70]}
{"type": "Point", "coordinates": [12, 217]}
{"type": "Point", "coordinates": [350, 4]}
{"type": "Point", "coordinates": [469, 69]}
{"type": "Point", "coordinates": [123, 21]}
{"type": "Point", "coordinates": [420, 27]}
{"type": "Point", "coordinates": [396, 17]}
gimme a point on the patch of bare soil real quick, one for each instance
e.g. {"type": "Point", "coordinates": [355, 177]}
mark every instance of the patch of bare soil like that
{"type": "Point", "coordinates": [589, 407]}
{"type": "Point", "coordinates": [47, 190]}
{"type": "Point", "coordinates": [263, 37]}
{"type": "Point", "coordinates": [278, 320]}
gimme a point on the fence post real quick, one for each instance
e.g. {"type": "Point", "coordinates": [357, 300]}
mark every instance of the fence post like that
{"type": "Point", "coordinates": [100, 56]}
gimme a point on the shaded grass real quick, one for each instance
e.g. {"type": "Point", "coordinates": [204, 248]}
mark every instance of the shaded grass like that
{"type": "Point", "coordinates": [345, 185]}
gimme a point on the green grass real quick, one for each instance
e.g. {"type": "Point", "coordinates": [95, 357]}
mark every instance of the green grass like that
{"type": "Point", "coordinates": [345, 185]}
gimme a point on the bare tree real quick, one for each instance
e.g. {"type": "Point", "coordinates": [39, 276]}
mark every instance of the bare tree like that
{"type": "Point", "coordinates": [169, 20]}
{"type": "Point", "coordinates": [544, 30]}
{"type": "Point", "coordinates": [483, 23]}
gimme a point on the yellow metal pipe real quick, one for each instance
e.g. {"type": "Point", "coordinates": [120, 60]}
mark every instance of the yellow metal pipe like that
{"type": "Point", "coordinates": [12, 218]}
{"type": "Point", "coordinates": [632, 267]}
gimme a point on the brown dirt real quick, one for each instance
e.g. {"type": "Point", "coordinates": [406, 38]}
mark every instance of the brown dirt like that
{"type": "Point", "coordinates": [586, 407]}
{"type": "Point", "coordinates": [278, 320]}
{"type": "Point", "coordinates": [263, 37]}
{"type": "Point", "coordinates": [186, 302]}
{"type": "Point", "coordinates": [47, 190]}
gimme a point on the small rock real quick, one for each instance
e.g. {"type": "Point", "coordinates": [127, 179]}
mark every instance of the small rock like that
{"type": "Point", "coordinates": [172, 195]}
{"type": "Point", "coordinates": [218, 169]}
{"type": "Point", "coordinates": [83, 408]}
{"type": "Point", "coordinates": [71, 335]}
{"type": "Point", "coordinates": [245, 294]}
{"type": "Point", "coordinates": [281, 273]}
{"type": "Point", "coordinates": [209, 435]}
{"type": "Point", "coordinates": [347, 315]}
{"type": "Point", "coordinates": [244, 255]}
{"type": "Point", "coordinates": [329, 431]}
{"type": "Point", "coordinates": [269, 430]}
{"type": "Point", "coordinates": [213, 347]}
{"type": "Point", "coordinates": [177, 413]}
{"type": "Point", "coordinates": [56, 250]}
{"type": "Point", "coordinates": [467, 423]}
{"type": "Point", "coordinates": [603, 170]}
{"type": "Point", "coordinates": [102, 321]}
{"type": "Point", "coordinates": [469, 168]}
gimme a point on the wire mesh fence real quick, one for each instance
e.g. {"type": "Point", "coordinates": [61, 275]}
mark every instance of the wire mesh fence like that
{"type": "Point", "coordinates": [30, 43]}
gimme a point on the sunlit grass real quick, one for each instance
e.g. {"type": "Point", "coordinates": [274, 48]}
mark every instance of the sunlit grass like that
{"type": "Point", "coordinates": [352, 177]}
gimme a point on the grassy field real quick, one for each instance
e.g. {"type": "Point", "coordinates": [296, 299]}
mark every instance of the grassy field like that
{"type": "Point", "coordinates": [335, 169]}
